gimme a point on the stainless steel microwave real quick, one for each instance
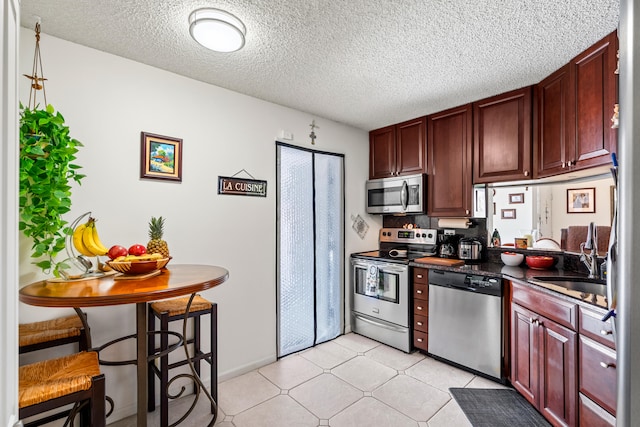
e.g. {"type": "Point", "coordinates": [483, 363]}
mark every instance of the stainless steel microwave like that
{"type": "Point", "coordinates": [399, 194]}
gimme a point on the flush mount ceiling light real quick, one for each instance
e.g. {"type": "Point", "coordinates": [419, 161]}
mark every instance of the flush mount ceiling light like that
{"type": "Point", "coordinates": [217, 30]}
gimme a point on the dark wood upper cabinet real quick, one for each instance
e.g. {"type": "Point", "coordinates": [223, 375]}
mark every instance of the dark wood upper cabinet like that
{"type": "Point", "coordinates": [502, 137]}
{"type": "Point", "coordinates": [398, 149]}
{"type": "Point", "coordinates": [592, 96]}
{"type": "Point", "coordinates": [449, 182]}
{"type": "Point", "coordinates": [552, 117]}
{"type": "Point", "coordinates": [382, 152]}
{"type": "Point", "coordinates": [574, 109]}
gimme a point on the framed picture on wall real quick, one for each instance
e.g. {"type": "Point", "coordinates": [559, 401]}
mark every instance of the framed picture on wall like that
{"type": "Point", "coordinates": [508, 213]}
{"type": "Point", "coordinates": [516, 198]}
{"type": "Point", "coordinates": [160, 157]}
{"type": "Point", "coordinates": [581, 200]}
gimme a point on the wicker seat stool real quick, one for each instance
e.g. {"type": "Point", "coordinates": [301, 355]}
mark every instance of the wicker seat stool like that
{"type": "Point", "coordinates": [49, 333]}
{"type": "Point", "coordinates": [55, 383]}
{"type": "Point", "coordinates": [174, 310]}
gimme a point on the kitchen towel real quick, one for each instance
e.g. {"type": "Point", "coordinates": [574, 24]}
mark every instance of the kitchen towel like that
{"type": "Point", "coordinates": [373, 278]}
{"type": "Point", "coordinates": [454, 223]}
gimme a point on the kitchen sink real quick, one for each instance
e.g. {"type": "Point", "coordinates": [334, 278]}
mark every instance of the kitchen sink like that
{"type": "Point", "coordinates": [576, 283]}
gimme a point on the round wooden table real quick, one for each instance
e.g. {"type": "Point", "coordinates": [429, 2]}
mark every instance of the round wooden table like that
{"type": "Point", "coordinates": [174, 281]}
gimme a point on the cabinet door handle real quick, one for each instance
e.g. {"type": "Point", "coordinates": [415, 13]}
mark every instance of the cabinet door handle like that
{"type": "Point", "coordinates": [419, 323]}
{"type": "Point", "coordinates": [526, 173]}
{"type": "Point", "coordinates": [607, 365]}
{"type": "Point", "coordinates": [419, 339]}
{"type": "Point", "coordinates": [605, 332]}
{"type": "Point", "coordinates": [563, 164]}
{"type": "Point", "coordinates": [418, 291]}
{"type": "Point", "coordinates": [569, 163]}
{"type": "Point", "coordinates": [467, 211]}
{"type": "Point", "coordinates": [419, 276]}
{"type": "Point", "coordinates": [419, 308]}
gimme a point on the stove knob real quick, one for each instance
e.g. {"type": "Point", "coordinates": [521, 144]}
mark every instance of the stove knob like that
{"type": "Point", "coordinates": [424, 235]}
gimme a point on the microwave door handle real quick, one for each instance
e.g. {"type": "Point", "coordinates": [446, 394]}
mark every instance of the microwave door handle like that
{"type": "Point", "coordinates": [404, 195]}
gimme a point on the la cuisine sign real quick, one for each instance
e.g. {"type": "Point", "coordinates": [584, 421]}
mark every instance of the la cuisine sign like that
{"type": "Point", "coordinates": [241, 186]}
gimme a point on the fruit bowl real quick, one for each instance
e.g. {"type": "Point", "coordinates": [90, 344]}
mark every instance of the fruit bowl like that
{"type": "Point", "coordinates": [511, 258]}
{"type": "Point", "coordinates": [540, 262]}
{"type": "Point", "coordinates": [133, 268]}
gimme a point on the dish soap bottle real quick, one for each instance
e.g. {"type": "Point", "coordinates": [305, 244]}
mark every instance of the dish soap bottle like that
{"type": "Point", "coordinates": [495, 239]}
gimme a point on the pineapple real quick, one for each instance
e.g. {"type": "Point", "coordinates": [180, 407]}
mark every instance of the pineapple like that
{"type": "Point", "coordinates": [156, 244]}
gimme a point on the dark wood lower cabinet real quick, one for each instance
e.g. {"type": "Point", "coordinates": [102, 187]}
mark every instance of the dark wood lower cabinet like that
{"type": "Point", "coordinates": [544, 363]}
{"type": "Point", "coordinates": [592, 415]}
{"type": "Point", "coordinates": [558, 386]}
{"type": "Point", "coordinates": [562, 362]}
{"type": "Point", "coordinates": [420, 309]}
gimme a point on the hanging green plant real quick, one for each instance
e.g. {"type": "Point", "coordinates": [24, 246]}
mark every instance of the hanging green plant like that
{"type": "Point", "coordinates": [47, 153]}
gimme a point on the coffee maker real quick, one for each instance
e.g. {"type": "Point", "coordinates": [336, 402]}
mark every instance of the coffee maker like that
{"type": "Point", "coordinates": [448, 245]}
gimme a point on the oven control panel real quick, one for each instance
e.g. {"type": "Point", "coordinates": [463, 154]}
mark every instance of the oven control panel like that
{"type": "Point", "coordinates": [425, 236]}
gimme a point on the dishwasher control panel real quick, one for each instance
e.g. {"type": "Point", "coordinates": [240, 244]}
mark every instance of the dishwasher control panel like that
{"type": "Point", "coordinates": [466, 282]}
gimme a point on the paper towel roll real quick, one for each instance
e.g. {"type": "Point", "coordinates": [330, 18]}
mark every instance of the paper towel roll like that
{"type": "Point", "coordinates": [454, 223]}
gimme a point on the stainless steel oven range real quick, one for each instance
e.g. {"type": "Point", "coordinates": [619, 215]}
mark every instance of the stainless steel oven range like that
{"type": "Point", "coordinates": [380, 285]}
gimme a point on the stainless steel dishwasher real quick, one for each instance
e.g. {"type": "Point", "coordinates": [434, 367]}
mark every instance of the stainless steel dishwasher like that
{"type": "Point", "coordinates": [466, 321]}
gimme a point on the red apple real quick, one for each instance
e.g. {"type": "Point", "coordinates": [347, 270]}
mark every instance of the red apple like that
{"type": "Point", "coordinates": [116, 251]}
{"type": "Point", "coordinates": [137, 250]}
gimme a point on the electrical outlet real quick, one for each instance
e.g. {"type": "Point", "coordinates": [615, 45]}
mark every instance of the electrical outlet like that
{"type": "Point", "coordinates": [449, 232]}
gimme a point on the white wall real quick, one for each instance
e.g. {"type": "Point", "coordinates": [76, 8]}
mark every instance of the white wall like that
{"type": "Point", "coordinates": [107, 101]}
{"type": "Point", "coordinates": [602, 215]}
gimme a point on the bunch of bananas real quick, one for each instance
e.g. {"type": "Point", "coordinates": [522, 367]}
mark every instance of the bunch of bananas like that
{"type": "Point", "coordinates": [87, 241]}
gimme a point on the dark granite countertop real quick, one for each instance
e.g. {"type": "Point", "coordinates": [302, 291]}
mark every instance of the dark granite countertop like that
{"type": "Point", "coordinates": [526, 275]}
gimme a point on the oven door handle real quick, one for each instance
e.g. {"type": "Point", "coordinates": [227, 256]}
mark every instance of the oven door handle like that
{"type": "Point", "coordinates": [391, 269]}
{"type": "Point", "coordinates": [381, 325]}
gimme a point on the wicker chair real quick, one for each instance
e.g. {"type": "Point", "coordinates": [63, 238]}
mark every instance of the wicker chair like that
{"type": "Point", "coordinates": [49, 333]}
{"type": "Point", "coordinates": [174, 310]}
{"type": "Point", "coordinates": [57, 383]}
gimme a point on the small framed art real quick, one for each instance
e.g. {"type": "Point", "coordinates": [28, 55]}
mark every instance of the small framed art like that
{"type": "Point", "coordinates": [508, 213]}
{"type": "Point", "coordinates": [516, 198]}
{"type": "Point", "coordinates": [581, 200]}
{"type": "Point", "coordinates": [160, 157]}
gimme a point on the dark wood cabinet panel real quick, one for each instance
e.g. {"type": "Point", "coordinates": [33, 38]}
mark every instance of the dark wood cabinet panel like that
{"type": "Point", "coordinates": [502, 137]}
{"type": "Point", "coordinates": [560, 311]}
{"type": "Point", "coordinates": [411, 147]}
{"type": "Point", "coordinates": [552, 117]}
{"type": "Point", "coordinates": [421, 323]}
{"type": "Point", "coordinates": [398, 149]}
{"type": "Point", "coordinates": [449, 184]}
{"type": "Point", "coordinates": [592, 326]}
{"type": "Point", "coordinates": [598, 378]}
{"type": "Point", "coordinates": [558, 392]}
{"type": "Point", "coordinates": [420, 340]}
{"type": "Point", "coordinates": [524, 356]}
{"type": "Point", "coordinates": [420, 275]}
{"type": "Point", "coordinates": [592, 97]}
{"type": "Point", "coordinates": [382, 152]}
{"type": "Point", "coordinates": [592, 415]}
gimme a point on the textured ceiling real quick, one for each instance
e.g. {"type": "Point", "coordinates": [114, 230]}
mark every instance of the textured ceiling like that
{"type": "Point", "coordinates": [366, 63]}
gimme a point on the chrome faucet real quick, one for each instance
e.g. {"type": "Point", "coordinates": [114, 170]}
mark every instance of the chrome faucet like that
{"type": "Point", "coordinates": [591, 259]}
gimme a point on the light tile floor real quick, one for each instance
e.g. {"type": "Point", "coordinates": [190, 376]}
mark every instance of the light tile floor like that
{"type": "Point", "coordinates": [348, 382]}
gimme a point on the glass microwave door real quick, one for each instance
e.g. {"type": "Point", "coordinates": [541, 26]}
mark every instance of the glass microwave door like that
{"type": "Point", "coordinates": [380, 197]}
